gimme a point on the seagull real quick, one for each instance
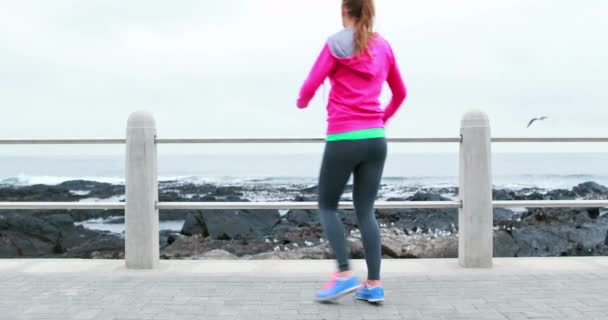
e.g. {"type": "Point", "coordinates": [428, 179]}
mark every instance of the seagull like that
{"type": "Point", "coordinates": [536, 119]}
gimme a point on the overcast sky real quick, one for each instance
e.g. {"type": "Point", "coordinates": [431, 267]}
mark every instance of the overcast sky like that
{"type": "Point", "coordinates": [72, 68]}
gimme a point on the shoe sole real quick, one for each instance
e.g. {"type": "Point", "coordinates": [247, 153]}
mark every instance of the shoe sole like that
{"type": "Point", "coordinates": [338, 296]}
{"type": "Point", "coordinates": [370, 300]}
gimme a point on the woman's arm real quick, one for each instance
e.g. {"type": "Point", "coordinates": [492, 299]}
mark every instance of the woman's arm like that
{"type": "Point", "coordinates": [395, 82]}
{"type": "Point", "coordinates": [322, 68]}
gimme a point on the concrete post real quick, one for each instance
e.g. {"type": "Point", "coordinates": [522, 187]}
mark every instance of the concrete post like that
{"type": "Point", "coordinates": [141, 216]}
{"type": "Point", "coordinates": [475, 242]}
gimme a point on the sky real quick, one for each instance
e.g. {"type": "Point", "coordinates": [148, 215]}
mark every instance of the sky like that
{"type": "Point", "coordinates": [233, 68]}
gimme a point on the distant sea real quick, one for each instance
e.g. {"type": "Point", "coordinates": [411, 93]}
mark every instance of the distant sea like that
{"type": "Point", "coordinates": [510, 170]}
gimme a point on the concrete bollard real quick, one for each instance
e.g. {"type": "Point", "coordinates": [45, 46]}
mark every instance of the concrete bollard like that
{"type": "Point", "coordinates": [141, 216]}
{"type": "Point", "coordinates": [475, 242]}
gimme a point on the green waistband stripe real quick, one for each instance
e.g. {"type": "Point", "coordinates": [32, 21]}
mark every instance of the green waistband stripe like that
{"type": "Point", "coordinates": [358, 134]}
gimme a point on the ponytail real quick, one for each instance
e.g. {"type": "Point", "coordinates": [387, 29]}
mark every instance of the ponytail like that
{"type": "Point", "coordinates": [365, 12]}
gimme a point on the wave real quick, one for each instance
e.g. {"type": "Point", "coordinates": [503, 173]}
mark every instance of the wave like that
{"type": "Point", "coordinates": [519, 181]}
{"type": "Point", "coordinates": [27, 180]}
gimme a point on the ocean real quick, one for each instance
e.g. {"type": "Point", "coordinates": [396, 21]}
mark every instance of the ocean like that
{"type": "Point", "coordinates": [510, 170]}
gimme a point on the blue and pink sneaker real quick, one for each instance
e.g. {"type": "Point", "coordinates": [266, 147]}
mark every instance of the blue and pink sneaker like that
{"type": "Point", "coordinates": [368, 293]}
{"type": "Point", "coordinates": [337, 287]}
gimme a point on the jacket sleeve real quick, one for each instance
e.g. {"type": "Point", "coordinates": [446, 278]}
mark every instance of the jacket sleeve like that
{"type": "Point", "coordinates": [395, 82]}
{"type": "Point", "coordinates": [322, 68]}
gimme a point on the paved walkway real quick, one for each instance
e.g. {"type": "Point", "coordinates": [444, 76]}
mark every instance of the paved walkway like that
{"type": "Point", "coordinates": [520, 288]}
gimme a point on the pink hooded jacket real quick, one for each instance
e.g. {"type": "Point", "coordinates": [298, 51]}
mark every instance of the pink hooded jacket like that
{"type": "Point", "coordinates": [356, 83]}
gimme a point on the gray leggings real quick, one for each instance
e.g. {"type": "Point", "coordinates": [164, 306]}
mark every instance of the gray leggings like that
{"type": "Point", "coordinates": [365, 160]}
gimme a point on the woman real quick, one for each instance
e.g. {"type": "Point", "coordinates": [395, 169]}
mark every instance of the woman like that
{"type": "Point", "coordinates": [358, 62]}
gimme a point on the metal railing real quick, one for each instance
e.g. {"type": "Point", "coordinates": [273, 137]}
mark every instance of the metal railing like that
{"type": "Point", "coordinates": [295, 140]}
{"type": "Point", "coordinates": [141, 202]}
{"type": "Point", "coordinates": [304, 205]}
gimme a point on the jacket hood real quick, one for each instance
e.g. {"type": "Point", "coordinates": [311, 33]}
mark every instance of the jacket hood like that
{"type": "Point", "coordinates": [342, 47]}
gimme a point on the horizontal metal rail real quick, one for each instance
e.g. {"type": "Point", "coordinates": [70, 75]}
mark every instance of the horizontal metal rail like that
{"type": "Point", "coordinates": [551, 204]}
{"type": "Point", "coordinates": [295, 140]}
{"type": "Point", "coordinates": [62, 141]}
{"type": "Point", "coordinates": [288, 140]}
{"type": "Point", "coordinates": [223, 205]}
{"type": "Point", "coordinates": [299, 205]}
{"type": "Point", "coordinates": [304, 205]}
{"type": "Point", "coordinates": [556, 139]}
{"type": "Point", "coordinates": [61, 205]}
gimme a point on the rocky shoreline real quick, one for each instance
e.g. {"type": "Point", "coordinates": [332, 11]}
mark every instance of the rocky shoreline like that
{"type": "Point", "coordinates": [296, 234]}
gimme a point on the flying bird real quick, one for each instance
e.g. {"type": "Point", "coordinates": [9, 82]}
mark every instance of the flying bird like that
{"type": "Point", "coordinates": [536, 119]}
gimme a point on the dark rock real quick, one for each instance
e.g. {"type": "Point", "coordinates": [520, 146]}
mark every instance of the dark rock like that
{"type": "Point", "coordinates": [283, 227]}
{"type": "Point", "coordinates": [74, 237]}
{"type": "Point", "coordinates": [349, 219]}
{"type": "Point", "coordinates": [27, 235]}
{"type": "Point", "coordinates": [593, 213]}
{"type": "Point", "coordinates": [195, 224]}
{"type": "Point", "coordinates": [170, 196]}
{"type": "Point", "coordinates": [560, 232]}
{"type": "Point", "coordinates": [166, 237]}
{"type": "Point", "coordinates": [300, 236]}
{"type": "Point", "coordinates": [590, 188]}
{"type": "Point", "coordinates": [504, 194]}
{"type": "Point", "coordinates": [229, 191]}
{"type": "Point", "coordinates": [38, 192]}
{"type": "Point", "coordinates": [501, 215]}
{"type": "Point", "coordinates": [355, 247]}
{"type": "Point", "coordinates": [205, 199]}
{"type": "Point", "coordinates": [103, 247]}
{"type": "Point", "coordinates": [560, 194]}
{"type": "Point", "coordinates": [504, 245]}
{"type": "Point", "coordinates": [183, 247]}
{"type": "Point", "coordinates": [61, 220]}
{"type": "Point", "coordinates": [441, 219]}
{"type": "Point", "coordinates": [303, 218]}
{"type": "Point", "coordinates": [425, 196]}
{"type": "Point", "coordinates": [235, 199]}
{"type": "Point", "coordinates": [302, 198]}
{"type": "Point", "coordinates": [392, 248]}
{"type": "Point", "coordinates": [196, 246]}
{"type": "Point", "coordinates": [83, 215]}
{"type": "Point", "coordinates": [169, 215]}
{"type": "Point", "coordinates": [29, 225]}
{"type": "Point", "coordinates": [313, 189]}
{"type": "Point", "coordinates": [235, 224]}
{"type": "Point", "coordinates": [18, 245]}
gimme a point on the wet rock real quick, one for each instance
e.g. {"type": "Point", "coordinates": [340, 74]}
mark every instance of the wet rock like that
{"type": "Point", "coordinates": [501, 215]}
{"type": "Point", "coordinates": [104, 247]}
{"type": "Point", "coordinates": [413, 219]}
{"type": "Point", "coordinates": [504, 245]}
{"type": "Point", "coordinates": [236, 224]}
{"type": "Point", "coordinates": [560, 232]}
{"type": "Point", "coordinates": [302, 218]}
{"type": "Point", "coordinates": [590, 188]}
{"type": "Point", "coordinates": [195, 224]}
{"type": "Point", "coordinates": [392, 247]}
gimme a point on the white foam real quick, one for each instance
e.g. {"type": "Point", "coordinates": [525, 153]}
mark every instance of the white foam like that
{"type": "Point", "coordinates": [26, 180]}
{"type": "Point", "coordinates": [80, 192]}
{"type": "Point", "coordinates": [118, 198]}
{"type": "Point", "coordinates": [101, 224]}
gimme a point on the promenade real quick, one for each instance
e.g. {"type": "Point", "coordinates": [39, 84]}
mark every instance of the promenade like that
{"type": "Point", "coordinates": [514, 288]}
